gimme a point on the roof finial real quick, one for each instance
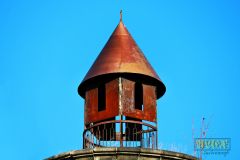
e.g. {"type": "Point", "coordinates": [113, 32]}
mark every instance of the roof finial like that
{"type": "Point", "coordinates": [120, 15]}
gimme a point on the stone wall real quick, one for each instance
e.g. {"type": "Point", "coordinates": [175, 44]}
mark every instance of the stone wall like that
{"type": "Point", "coordinates": [121, 154]}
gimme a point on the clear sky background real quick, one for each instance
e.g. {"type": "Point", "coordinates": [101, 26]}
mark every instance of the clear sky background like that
{"type": "Point", "coordinates": [47, 46]}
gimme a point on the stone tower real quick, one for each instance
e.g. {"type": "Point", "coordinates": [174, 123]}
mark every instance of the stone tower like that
{"type": "Point", "coordinates": [120, 113]}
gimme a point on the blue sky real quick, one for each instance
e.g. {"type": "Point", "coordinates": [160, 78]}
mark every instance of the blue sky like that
{"type": "Point", "coordinates": [46, 48]}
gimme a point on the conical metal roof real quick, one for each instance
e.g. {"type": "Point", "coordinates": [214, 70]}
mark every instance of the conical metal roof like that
{"type": "Point", "coordinates": [121, 55]}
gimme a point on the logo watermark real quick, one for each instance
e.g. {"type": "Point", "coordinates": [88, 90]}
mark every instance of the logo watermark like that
{"type": "Point", "coordinates": [212, 145]}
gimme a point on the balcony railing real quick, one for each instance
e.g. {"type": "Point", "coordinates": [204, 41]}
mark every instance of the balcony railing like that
{"type": "Point", "coordinates": [120, 133]}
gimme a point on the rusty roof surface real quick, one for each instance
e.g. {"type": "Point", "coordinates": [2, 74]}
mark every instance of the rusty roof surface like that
{"type": "Point", "coordinates": [120, 54]}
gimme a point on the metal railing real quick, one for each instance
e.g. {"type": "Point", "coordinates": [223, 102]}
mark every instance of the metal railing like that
{"type": "Point", "coordinates": [120, 133]}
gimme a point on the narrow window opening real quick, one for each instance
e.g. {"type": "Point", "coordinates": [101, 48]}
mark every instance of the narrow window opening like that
{"type": "Point", "coordinates": [138, 96]}
{"type": "Point", "coordinates": [101, 98]}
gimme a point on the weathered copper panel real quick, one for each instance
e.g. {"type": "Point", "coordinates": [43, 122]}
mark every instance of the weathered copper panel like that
{"type": "Point", "coordinates": [149, 102]}
{"type": "Point", "coordinates": [91, 103]}
{"type": "Point", "coordinates": [112, 99]}
{"type": "Point", "coordinates": [128, 104]}
{"type": "Point", "coordinates": [127, 97]}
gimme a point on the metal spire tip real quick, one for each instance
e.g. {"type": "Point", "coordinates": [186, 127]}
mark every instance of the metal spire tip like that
{"type": "Point", "coordinates": [120, 15]}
